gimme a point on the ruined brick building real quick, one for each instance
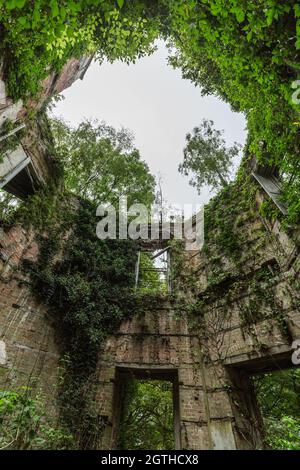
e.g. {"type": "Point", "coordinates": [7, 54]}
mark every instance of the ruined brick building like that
{"type": "Point", "coordinates": [209, 361]}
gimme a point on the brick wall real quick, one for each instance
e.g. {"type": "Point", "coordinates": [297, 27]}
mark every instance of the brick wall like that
{"type": "Point", "coordinates": [212, 361]}
{"type": "Point", "coordinates": [29, 352]}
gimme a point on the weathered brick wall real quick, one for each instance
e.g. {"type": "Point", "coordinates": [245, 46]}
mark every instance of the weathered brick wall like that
{"type": "Point", "coordinates": [29, 353]}
{"type": "Point", "coordinates": [157, 341]}
{"type": "Point", "coordinates": [54, 83]}
{"type": "Point", "coordinates": [247, 320]}
{"type": "Point", "coordinates": [213, 356]}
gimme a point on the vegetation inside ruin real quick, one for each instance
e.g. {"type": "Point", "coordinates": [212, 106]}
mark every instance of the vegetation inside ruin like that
{"type": "Point", "coordinates": [25, 424]}
{"type": "Point", "coordinates": [244, 52]}
{"type": "Point", "coordinates": [89, 291]}
{"type": "Point", "coordinates": [102, 164]}
{"type": "Point", "coordinates": [228, 253]}
{"type": "Point", "coordinates": [207, 158]}
{"type": "Point", "coordinates": [147, 417]}
{"type": "Point", "coordinates": [88, 287]}
{"type": "Point", "coordinates": [153, 274]}
{"type": "Point", "coordinates": [278, 396]}
{"type": "Point", "coordinates": [88, 284]}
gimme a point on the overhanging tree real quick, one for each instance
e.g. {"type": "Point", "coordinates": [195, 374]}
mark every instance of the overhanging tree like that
{"type": "Point", "coordinates": [101, 163]}
{"type": "Point", "coordinates": [147, 418]}
{"type": "Point", "coordinates": [206, 157]}
{"type": "Point", "coordinates": [245, 52]}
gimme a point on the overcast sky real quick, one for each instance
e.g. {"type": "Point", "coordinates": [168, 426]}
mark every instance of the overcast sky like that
{"type": "Point", "coordinates": [152, 100]}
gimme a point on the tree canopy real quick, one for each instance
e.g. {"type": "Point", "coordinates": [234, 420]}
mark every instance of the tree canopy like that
{"type": "Point", "coordinates": [147, 421]}
{"type": "Point", "coordinates": [207, 158]}
{"type": "Point", "coordinates": [40, 36]}
{"type": "Point", "coordinates": [101, 163]}
{"type": "Point", "coordinates": [278, 396]}
{"type": "Point", "coordinates": [245, 52]}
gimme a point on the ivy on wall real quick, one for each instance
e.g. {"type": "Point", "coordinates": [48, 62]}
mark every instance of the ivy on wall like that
{"type": "Point", "coordinates": [39, 37]}
{"type": "Point", "coordinates": [227, 249]}
{"type": "Point", "coordinates": [12, 141]}
{"type": "Point", "coordinates": [88, 285]}
{"type": "Point", "coordinates": [245, 52]}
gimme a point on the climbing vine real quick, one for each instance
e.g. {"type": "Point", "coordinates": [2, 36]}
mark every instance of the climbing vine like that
{"type": "Point", "coordinates": [245, 52]}
{"type": "Point", "coordinates": [39, 37]}
{"type": "Point", "coordinates": [87, 284]}
{"type": "Point", "coordinates": [25, 425]}
{"type": "Point", "coordinates": [226, 277]}
{"type": "Point", "coordinates": [12, 141]}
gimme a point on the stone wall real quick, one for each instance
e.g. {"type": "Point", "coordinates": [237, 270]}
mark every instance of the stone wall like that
{"type": "Point", "coordinates": [55, 83]}
{"type": "Point", "coordinates": [246, 315]}
{"type": "Point", "coordinates": [28, 164]}
{"type": "Point", "coordinates": [244, 323]}
{"type": "Point", "coordinates": [29, 353]}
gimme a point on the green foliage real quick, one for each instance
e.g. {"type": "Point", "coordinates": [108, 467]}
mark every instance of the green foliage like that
{"type": "Point", "coordinates": [291, 190]}
{"type": "Point", "coordinates": [247, 53]}
{"type": "Point", "coordinates": [39, 37]}
{"type": "Point", "coordinates": [44, 208]}
{"type": "Point", "coordinates": [151, 280]}
{"type": "Point", "coordinates": [11, 142]}
{"type": "Point", "coordinates": [278, 398]}
{"type": "Point", "coordinates": [269, 211]}
{"type": "Point", "coordinates": [221, 221]}
{"type": "Point", "coordinates": [25, 425]}
{"type": "Point", "coordinates": [89, 290]}
{"type": "Point", "coordinates": [8, 205]}
{"type": "Point", "coordinates": [207, 158]}
{"type": "Point", "coordinates": [102, 164]}
{"type": "Point", "coordinates": [147, 421]}
{"type": "Point", "coordinates": [87, 285]}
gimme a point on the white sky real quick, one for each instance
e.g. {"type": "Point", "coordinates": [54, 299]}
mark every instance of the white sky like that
{"type": "Point", "coordinates": [152, 100]}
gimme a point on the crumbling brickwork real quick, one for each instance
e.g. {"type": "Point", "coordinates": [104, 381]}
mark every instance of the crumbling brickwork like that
{"type": "Point", "coordinates": [28, 349]}
{"type": "Point", "coordinates": [29, 164]}
{"type": "Point", "coordinates": [155, 342]}
{"type": "Point", "coordinates": [55, 83]}
{"type": "Point", "coordinates": [29, 352]}
{"type": "Point", "coordinates": [212, 358]}
{"type": "Point", "coordinates": [244, 322]}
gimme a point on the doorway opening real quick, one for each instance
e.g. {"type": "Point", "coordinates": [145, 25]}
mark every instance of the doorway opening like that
{"type": "Point", "coordinates": [146, 410]}
{"type": "Point", "coordinates": [278, 398]}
